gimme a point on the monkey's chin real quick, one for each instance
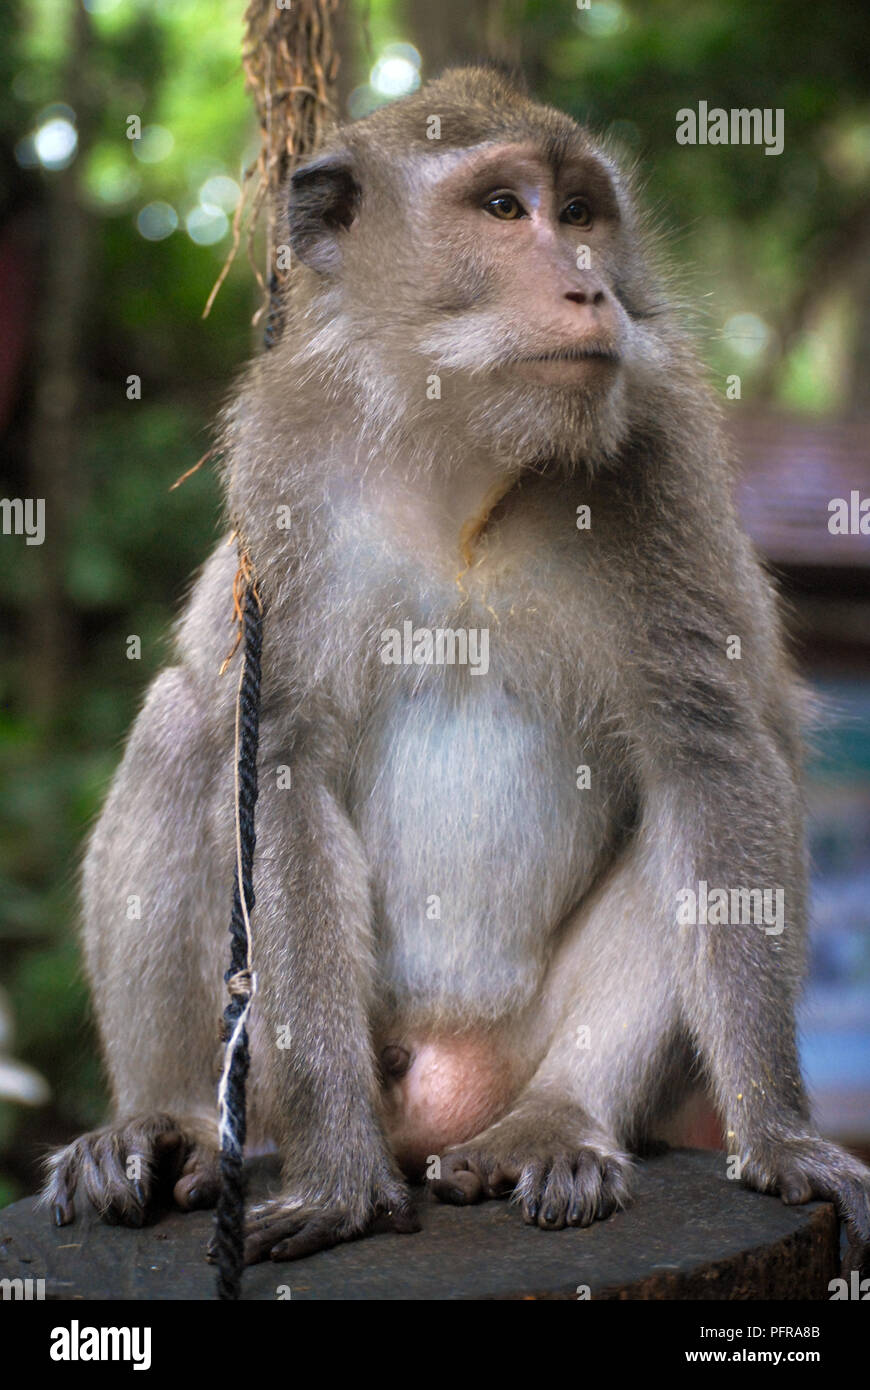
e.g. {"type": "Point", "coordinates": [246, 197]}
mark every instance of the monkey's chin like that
{"type": "Point", "coordinates": [569, 425]}
{"type": "Point", "coordinates": [586, 373]}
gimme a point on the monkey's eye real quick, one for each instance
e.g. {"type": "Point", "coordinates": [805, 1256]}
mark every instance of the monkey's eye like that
{"type": "Point", "coordinates": [577, 213]}
{"type": "Point", "coordinates": [505, 206]}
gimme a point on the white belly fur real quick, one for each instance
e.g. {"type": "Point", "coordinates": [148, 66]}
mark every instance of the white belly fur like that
{"type": "Point", "coordinates": [467, 800]}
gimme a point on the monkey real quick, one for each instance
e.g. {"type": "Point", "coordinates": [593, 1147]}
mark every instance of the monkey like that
{"type": "Point", "coordinates": [506, 734]}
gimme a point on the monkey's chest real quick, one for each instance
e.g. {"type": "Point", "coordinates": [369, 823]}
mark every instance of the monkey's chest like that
{"type": "Point", "coordinates": [479, 841]}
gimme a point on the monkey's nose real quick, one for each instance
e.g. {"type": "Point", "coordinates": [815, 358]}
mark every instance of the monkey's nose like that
{"type": "Point", "coordinates": [595, 297]}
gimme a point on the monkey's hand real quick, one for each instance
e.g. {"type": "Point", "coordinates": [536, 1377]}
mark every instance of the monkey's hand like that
{"type": "Point", "coordinates": [131, 1169]}
{"type": "Point", "coordinates": [560, 1170]}
{"type": "Point", "coordinates": [287, 1228]}
{"type": "Point", "coordinates": [804, 1166]}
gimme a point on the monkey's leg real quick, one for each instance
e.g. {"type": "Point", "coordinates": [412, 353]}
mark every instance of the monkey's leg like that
{"type": "Point", "coordinates": [155, 910]}
{"type": "Point", "coordinates": [612, 1055]}
{"type": "Point", "coordinates": [316, 1088]}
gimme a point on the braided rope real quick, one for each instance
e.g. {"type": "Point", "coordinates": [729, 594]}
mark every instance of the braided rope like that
{"type": "Point", "coordinates": [291, 65]}
{"type": "Point", "coordinates": [275, 318]}
{"type": "Point", "coordinates": [240, 979]}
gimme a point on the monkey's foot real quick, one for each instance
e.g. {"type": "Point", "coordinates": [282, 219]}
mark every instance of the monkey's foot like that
{"type": "Point", "coordinates": [805, 1166]}
{"type": "Point", "coordinates": [130, 1171]}
{"type": "Point", "coordinates": [556, 1167]}
{"type": "Point", "coordinates": [286, 1229]}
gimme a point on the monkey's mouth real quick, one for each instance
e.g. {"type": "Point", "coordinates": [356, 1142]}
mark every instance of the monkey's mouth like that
{"type": "Point", "coordinates": [589, 353]}
{"type": "Point", "coordinates": [586, 367]}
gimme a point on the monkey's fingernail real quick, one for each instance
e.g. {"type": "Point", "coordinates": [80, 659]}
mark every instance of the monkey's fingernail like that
{"type": "Point", "coordinates": [139, 1193]}
{"type": "Point", "coordinates": [60, 1215]}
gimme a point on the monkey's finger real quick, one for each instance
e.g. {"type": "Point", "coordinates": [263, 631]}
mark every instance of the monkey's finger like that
{"type": "Point", "coordinates": [109, 1189]}
{"type": "Point", "coordinates": [63, 1208]}
{"type": "Point", "coordinates": [796, 1190]}
{"type": "Point", "coordinates": [60, 1191]}
{"type": "Point", "coordinates": [63, 1211]}
{"type": "Point", "coordinates": [196, 1190]}
{"type": "Point", "coordinates": [459, 1188]}
{"type": "Point", "coordinates": [198, 1184]}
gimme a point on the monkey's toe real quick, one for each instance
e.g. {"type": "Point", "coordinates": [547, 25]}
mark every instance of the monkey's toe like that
{"type": "Point", "coordinates": [461, 1188]}
{"type": "Point", "coordinates": [283, 1230]}
{"type": "Point", "coordinates": [573, 1189]}
{"type": "Point", "coordinates": [470, 1175]}
{"type": "Point", "coordinates": [806, 1166]}
{"type": "Point", "coordinates": [554, 1188]}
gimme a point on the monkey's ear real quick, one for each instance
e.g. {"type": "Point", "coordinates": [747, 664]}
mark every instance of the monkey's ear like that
{"type": "Point", "coordinates": [324, 200]}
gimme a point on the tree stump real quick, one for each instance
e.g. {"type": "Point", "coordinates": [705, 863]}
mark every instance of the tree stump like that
{"type": "Point", "coordinates": [691, 1234]}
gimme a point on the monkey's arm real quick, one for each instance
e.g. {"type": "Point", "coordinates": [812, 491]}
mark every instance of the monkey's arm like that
{"type": "Point", "coordinates": [317, 1085]}
{"type": "Point", "coordinates": [313, 1086]}
{"type": "Point", "coordinates": [722, 808]}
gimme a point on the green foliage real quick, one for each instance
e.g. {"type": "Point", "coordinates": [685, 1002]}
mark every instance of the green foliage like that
{"type": "Point", "coordinates": [130, 545]}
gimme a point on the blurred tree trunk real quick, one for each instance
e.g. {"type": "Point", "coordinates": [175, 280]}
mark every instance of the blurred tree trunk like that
{"type": "Point", "coordinates": [462, 31]}
{"type": "Point", "coordinates": [61, 320]}
{"type": "Point", "coordinates": [351, 45]}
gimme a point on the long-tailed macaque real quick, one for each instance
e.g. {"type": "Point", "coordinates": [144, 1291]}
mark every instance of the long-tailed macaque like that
{"type": "Point", "coordinates": [530, 851]}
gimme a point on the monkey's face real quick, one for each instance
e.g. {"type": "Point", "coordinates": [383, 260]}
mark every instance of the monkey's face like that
{"type": "Point", "coordinates": [522, 311]}
{"type": "Point", "coordinates": [497, 285]}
